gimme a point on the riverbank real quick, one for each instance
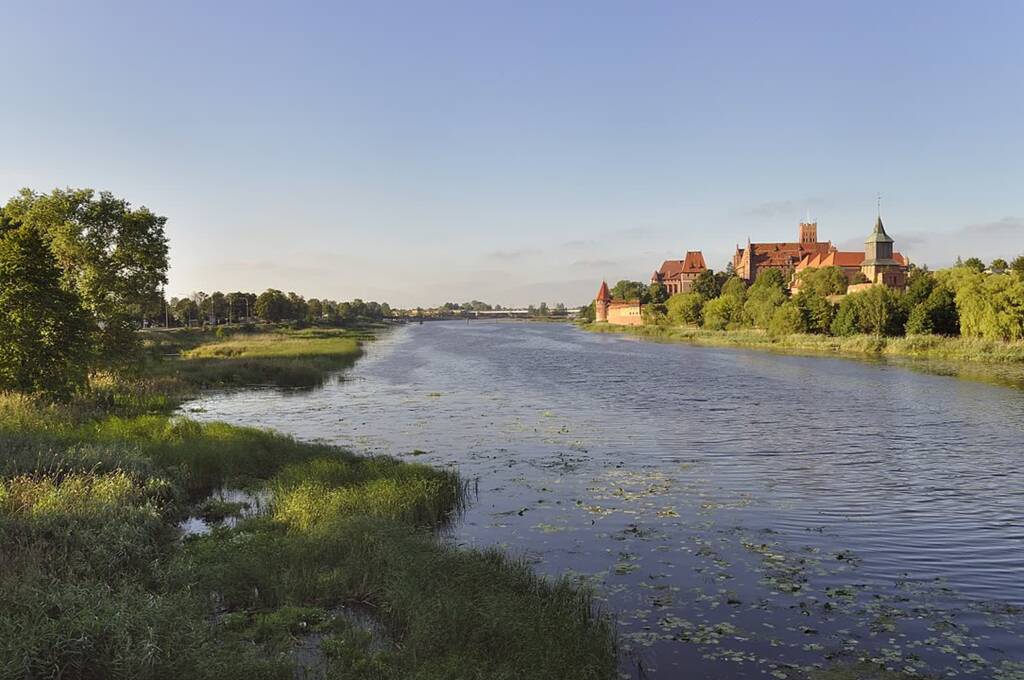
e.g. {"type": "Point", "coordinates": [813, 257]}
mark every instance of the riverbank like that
{"type": "Point", "coordinates": [341, 575]}
{"type": "Point", "coordinates": [932, 347]}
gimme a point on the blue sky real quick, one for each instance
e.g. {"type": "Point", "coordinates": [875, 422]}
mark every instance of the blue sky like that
{"type": "Point", "coordinates": [518, 152]}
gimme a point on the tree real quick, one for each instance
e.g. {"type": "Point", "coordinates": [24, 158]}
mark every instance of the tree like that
{"type": "Point", "coordinates": [297, 307]}
{"type": "Point", "coordinates": [974, 263]}
{"type": "Point", "coordinates": [875, 311]}
{"type": "Point", "coordinates": [706, 285]}
{"type": "Point", "coordinates": [990, 307]}
{"type": "Point", "coordinates": [657, 294]}
{"type": "Point", "coordinates": [936, 314]}
{"type": "Point", "coordinates": [44, 330]}
{"type": "Point", "coordinates": [1017, 266]}
{"type": "Point", "coordinates": [920, 284]}
{"type": "Point", "coordinates": [685, 308]}
{"type": "Point", "coordinates": [543, 309]}
{"type": "Point", "coordinates": [824, 281]}
{"type": "Point", "coordinates": [999, 266]}
{"type": "Point", "coordinates": [588, 314]}
{"type": "Point", "coordinates": [112, 256]}
{"type": "Point", "coordinates": [184, 311]}
{"type": "Point", "coordinates": [723, 312]}
{"type": "Point", "coordinates": [764, 297]}
{"type": "Point", "coordinates": [787, 319]}
{"type": "Point", "coordinates": [629, 290]}
{"type": "Point", "coordinates": [314, 310]}
{"type": "Point", "coordinates": [736, 287]}
{"type": "Point", "coordinates": [817, 312]}
{"type": "Point", "coordinates": [273, 305]}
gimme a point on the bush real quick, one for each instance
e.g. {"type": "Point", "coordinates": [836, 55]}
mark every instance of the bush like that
{"type": "Point", "coordinates": [723, 312]}
{"type": "Point", "coordinates": [685, 308]}
{"type": "Point", "coordinates": [787, 320]}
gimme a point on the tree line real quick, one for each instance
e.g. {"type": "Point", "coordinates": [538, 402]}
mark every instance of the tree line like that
{"type": "Point", "coordinates": [968, 299]}
{"type": "Point", "coordinates": [81, 271]}
{"type": "Point", "coordinates": [272, 306]}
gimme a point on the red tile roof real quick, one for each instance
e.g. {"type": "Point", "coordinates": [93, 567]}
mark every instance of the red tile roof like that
{"type": "Point", "coordinates": [694, 262]}
{"type": "Point", "coordinates": [603, 293]}
{"type": "Point", "coordinates": [671, 269]}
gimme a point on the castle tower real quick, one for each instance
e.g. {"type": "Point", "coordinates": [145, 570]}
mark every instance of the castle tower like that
{"type": "Point", "coordinates": [809, 232]}
{"type": "Point", "coordinates": [604, 297]}
{"type": "Point", "coordinates": [878, 260]}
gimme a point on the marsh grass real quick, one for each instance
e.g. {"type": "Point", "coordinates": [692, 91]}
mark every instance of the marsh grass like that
{"type": "Point", "coordinates": [97, 582]}
{"type": "Point", "coordinates": [912, 346]}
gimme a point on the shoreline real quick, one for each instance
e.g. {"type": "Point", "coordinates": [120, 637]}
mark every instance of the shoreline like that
{"type": "Point", "coordinates": [337, 572]}
{"type": "Point", "coordinates": [983, 360]}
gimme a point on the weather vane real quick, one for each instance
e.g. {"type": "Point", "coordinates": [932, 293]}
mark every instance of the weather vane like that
{"type": "Point", "coordinates": [879, 199]}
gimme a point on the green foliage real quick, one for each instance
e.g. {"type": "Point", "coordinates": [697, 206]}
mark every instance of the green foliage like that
{"type": "Point", "coordinates": [787, 319]}
{"type": "Point", "coordinates": [707, 285]}
{"type": "Point", "coordinates": [273, 305]}
{"type": "Point", "coordinates": [95, 580]}
{"type": "Point", "coordinates": [817, 311]}
{"type": "Point", "coordinates": [723, 312]}
{"type": "Point", "coordinates": [823, 281]}
{"type": "Point", "coordinates": [657, 293]}
{"type": "Point", "coordinates": [685, 308]}
{"type": "Point", "coordinates": [736, 287]}
{"type": "Point", "coordinates": [920, 284]}
{"type": "Point", "coordinates": [655, 313]}
{"type": "Point", "coordinates": [764, 297]}
{"type": "Point", "coordinates": [974, 263]}
{"type": "Point", "coordinates": [43, 329]}
{"type": "Point", "coordinates": [1017, 266]}
{"type": "Point", "coordinates": [999, 266]}
{"type": "Point", "coordinates": [629, 290]}
{"type": "Point", "coordinates": [990, 306]}
{"type": "Point", "coordinates": [112, 256]}
{"type": "Point", "coordinates": [936, 314]}
{"type": "Point", "coordinates": [876, 311]}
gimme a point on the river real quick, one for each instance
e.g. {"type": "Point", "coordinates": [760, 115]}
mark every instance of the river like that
{"type": "Point", "coordinates": [741, 514]}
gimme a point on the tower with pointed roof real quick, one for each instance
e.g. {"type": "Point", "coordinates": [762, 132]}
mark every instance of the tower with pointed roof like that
{"type": "Point", "coordinates": [601, 302]}
{"type": "Point", "coordinates": [879, 266]}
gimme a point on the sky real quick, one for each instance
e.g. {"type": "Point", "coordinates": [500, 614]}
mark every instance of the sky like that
{"type": "Point", "coordinates": [424, 152]}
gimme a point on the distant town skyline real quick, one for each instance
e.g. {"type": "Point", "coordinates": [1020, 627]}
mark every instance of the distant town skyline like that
{"type": "Point", "coordinates": [420, 154]}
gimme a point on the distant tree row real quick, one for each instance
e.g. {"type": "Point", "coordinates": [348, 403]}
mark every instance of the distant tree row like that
{"type": "Point", "coordinates": [272, 306]}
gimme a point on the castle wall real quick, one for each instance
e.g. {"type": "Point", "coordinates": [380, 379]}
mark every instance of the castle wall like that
{"type": "Point", "coordinates": [625, 314]}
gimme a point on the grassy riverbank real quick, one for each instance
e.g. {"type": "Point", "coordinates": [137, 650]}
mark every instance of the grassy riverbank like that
{"type": "Point", "coordinates": [341, 577]}
{"type": "Point", "coordinates": [913, 346]}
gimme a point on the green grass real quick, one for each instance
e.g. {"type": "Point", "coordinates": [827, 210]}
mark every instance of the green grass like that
{"type": "Point", "coordinates": [914, 346]}
{"type": "Point", "coordinates": [96, 582]}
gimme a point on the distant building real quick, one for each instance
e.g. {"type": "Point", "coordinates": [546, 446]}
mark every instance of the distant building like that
{"type": "Point", "coordinates": [617, 312]}
{"type": "Point", "coordinates": [757, 257]}
{"type": "Point", "coordinates": [878, 262]}
{"type": "Point", "coordinates": [677, 276]}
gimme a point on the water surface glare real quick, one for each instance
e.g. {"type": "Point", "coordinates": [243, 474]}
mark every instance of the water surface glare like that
{"type": "Point", "coordinates": [742, 514]}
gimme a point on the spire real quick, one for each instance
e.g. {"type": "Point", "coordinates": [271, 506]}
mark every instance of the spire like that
{"type": "Point", "coordinates": [603, 293]}
{"type": "Point", "coordinates": [879, 235]}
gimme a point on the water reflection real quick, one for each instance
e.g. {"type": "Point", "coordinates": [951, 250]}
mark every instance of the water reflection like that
{"type": "Point", "coordinates": [742, 513]}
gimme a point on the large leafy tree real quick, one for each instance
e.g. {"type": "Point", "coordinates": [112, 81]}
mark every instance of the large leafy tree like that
{"type": "Point", "coordinates": [823, 281]}
{"type": "Point", "coordinates": [629, 290]}
{"type": "Point", "coordinates": [43, 340]}
{"type": "Point", "coordinates": [273, 305]}
{"type": "Point", "coordinates": [113, 257]}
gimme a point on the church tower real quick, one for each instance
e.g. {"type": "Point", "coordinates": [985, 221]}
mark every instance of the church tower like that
{"type": "Point", "coordinates": [604, 297]}
{"type": "Point", "coordinates": [879, 265]}
{"type": "Point", "coordinates": [808, 232]}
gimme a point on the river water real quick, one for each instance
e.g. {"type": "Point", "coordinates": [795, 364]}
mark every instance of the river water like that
{"type": "Point", "coordinates": [741, 514]}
